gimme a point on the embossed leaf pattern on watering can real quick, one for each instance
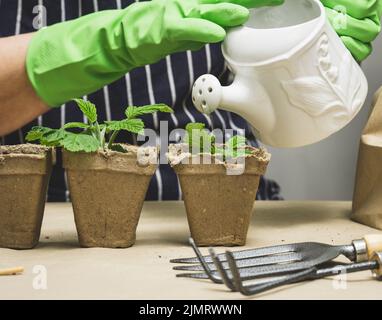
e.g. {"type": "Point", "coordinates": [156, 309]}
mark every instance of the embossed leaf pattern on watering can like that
{"type": "Point", "coordinates": [333, 95]}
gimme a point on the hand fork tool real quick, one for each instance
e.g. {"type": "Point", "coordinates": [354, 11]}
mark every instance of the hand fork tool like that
{"type": "Point", "coordinates": [235, 282]}
{"type": "Point", "coordinates": [279, 259]}
{"type": "Point", "coordinates": [214, 276]}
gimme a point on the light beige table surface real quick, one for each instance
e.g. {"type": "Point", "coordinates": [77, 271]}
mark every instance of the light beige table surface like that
{"type": "Point", "coordinates": [144, 271]}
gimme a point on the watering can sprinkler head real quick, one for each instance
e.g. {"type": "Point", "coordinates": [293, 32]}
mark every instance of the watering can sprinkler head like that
{"type": "Point", "coordinates": [207, 94]}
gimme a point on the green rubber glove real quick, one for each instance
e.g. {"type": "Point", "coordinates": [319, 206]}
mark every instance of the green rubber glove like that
{"type": "Point", "coordinates": [74, 58]}
{"type": "Point", "coordinates": [361, 25]}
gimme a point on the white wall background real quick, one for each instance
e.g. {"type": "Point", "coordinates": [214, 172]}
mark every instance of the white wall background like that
{"type": "Point", "coordinates": [326, 170]}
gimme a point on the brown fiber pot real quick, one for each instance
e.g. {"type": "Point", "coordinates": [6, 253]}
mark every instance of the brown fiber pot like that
{"type": "Point", "coordinates": [107, 192]}
{"type": "Point", "coordinates": [24, 176]}
{"type": "Point", "coordinates": [219, 206]}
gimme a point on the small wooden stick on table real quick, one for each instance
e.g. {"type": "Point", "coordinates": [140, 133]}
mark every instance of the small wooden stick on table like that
{"type": "Point", "coordinates": [11, 271]}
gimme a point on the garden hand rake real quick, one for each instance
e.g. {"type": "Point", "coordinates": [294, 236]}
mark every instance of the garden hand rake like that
{"type": "Point", "coordinates": [281, 259]}
{"type": "Point", "coordinates": [235, 282]}
{"type": "Point", "coordinates": [214, 276]}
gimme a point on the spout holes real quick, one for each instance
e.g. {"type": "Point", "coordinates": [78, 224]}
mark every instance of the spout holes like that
{"type": "Point", "coordinates": [193, 98]}
{"type": "Point", "coordinates": [210, 89]}
{"type": "Point", "coordinates": [200, 92]}
{"type": "Point", "coordinates": [204, 79]}
{"type": "Point", "coordinates": [204, 102]}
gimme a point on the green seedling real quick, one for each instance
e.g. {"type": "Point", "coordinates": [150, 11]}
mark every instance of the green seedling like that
{"type": "Point", "coordinates": [91, 136]}
{"type": "Point", "coordinates": [201, 140]}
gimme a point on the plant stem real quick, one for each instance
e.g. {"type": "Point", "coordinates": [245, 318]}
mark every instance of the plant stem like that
{"type": "Point", "coordinates": [98, 135]}
{"type": "Point", "coordinates": [112, 138]}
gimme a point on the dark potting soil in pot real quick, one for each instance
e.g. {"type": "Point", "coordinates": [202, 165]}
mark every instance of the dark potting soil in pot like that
{"type": "Point", "coordinates": [219, 204]}
{"type": "Point", "coordinates": [24, 176]}
{"type": "Point", "coordinates": [107, 191]}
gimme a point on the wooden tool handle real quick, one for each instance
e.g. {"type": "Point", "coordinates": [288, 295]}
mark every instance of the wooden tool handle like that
{"type": "Point", "coordinates": [11, 271]}
{"type": "Point", "coordinates": [373, 243]}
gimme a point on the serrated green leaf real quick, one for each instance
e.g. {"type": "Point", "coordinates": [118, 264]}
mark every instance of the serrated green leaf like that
{"type": "Point", "coordinates": [88, 109]}
{"type": "Point", "coordinates": [79, 125]}
{"type": "Point", "coordinates": [53, 137]}
{"type": "Point", "coordinates": [131, 125]}
{"type": "Point", "coordinates": [133, 112]}
{"type": "Point", "coordinates": [80, 142]}
{"type": "Point", "coordinates": [36, 133]}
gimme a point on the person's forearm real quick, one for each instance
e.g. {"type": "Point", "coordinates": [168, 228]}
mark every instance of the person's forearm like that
{"type": "Point", "coordinates": [19, 103]}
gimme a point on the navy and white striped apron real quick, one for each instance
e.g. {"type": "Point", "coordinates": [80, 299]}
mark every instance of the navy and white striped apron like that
{"type": "Point", "coordinates": [168, 81]}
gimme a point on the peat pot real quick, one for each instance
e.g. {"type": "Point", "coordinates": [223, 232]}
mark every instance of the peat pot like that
{"type": "Point", "coordinates": [24, 176]}
{"type": "Point", "coordinates": [219, 204]}
{"type": "Point", "coordinates": [107, 190]}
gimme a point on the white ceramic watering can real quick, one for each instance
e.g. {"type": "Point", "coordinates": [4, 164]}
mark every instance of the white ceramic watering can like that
{"type": "Point", "coordinates": [295, 81]}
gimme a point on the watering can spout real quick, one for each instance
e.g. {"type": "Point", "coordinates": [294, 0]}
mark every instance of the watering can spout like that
{"type": "Point", "coordinates": [253, 104]}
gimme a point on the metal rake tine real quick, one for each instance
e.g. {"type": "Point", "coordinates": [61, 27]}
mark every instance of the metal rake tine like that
{"type": "Point", "coordinates": [193, 275]}
{"type": "Point", "coordinates": [292, 257]}
{"type": "Point", "coordinates": [223, 273]}
{"type": "Point", "coordinates": [228, 281]}
{"type": "Point", "coordinates": [206, 268]}
{"type": "Point", "coordinates": [252, 273]}
{"type": "Point", "coordinates": [237, 283]}
{"type": "Point", "coordinates": [204, 276]}
{"type": "Point", "coordinates": [242, 254]}
{"type": "Point", "coordinates": [271, 284]}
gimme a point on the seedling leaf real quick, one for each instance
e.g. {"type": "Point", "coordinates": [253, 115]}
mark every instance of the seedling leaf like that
{"type": "Point", "coordinates": [80, 142]}
{"type": "Point", "coordinates": [133, 112]}
{"type": "Point", "coordinates": [131, 125]}
{"type": "Point", "coordinates": [79, 125]}
{"type": "Point", "coordinates": [88, 109]}
{"type": "Point", "coordinates": [36, 133]}
{"type": "Point", "coordinates": [93, 135]}
{"type": "Point", "coordinates": [201, 140]}
{"type": "Point", "coordinates": [53, 137]}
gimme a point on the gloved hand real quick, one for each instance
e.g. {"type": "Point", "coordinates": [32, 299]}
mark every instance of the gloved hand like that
{"type": "Point", "coordinates": [74, 58]}
{"type": "Point", "coordinates": [361, 26]}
